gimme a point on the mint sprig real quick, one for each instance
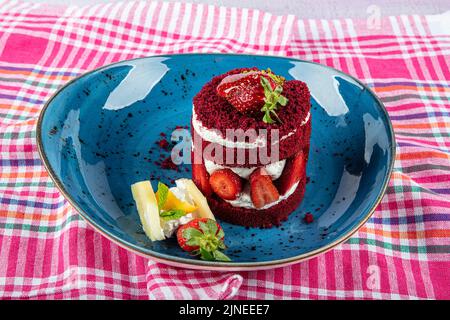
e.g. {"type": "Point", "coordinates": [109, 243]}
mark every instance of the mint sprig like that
{"type": "Point", "coordinates": [163, 191]}
{"type": "Point", "coordinates": [272, 97]}
{"type": "Point", "coordinates": [172, 214]}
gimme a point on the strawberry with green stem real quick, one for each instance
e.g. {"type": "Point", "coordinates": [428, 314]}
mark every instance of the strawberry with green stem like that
{"type": "Point", "coordinates": [203, 237]}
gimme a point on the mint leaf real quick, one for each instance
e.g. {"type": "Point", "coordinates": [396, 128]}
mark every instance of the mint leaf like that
{"type": "Point", "coordinates": [272, 99]}
{"type": "Point", "coordinates": [163, 191]}
{"type": "Point", "coordinates": [278, 89]}
{"type": "Point", "coordinates": [266, 84]}
{"type": "Point", "coordinates": [267, 118]}
{"type": "Point", "coordinates": [172, 214]}
{"type": "Point", "coordinates": [219, 256]}
{"type": "Point", "coordinates": [282, 100]}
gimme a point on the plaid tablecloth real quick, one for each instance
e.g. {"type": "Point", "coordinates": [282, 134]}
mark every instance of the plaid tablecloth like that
{"type": "Point", "coordinates": [47, 251]}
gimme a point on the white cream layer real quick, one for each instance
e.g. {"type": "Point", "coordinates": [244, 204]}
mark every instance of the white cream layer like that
{"type": "Point", "coordinates": [216, 136]}
{"type": "Point", "coordinates": [244, 200]}
{"type": "Point", "coordinates": [273, 169]}
{"type": "Point", "coordinates": [169, 227]}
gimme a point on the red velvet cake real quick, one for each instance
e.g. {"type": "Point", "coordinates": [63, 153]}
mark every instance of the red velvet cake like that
{"type": "Point", "coordinates": [251, 132]}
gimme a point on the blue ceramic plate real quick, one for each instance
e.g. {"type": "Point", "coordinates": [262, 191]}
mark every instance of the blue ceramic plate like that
{"type": "Point", "coordinates": [98, 134]}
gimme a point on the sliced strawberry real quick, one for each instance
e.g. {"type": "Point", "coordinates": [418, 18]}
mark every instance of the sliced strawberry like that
{"type": "Point", "coordinates": [262, 190]}
{"type": "Point", "coordinates": [201, 178]}
{"type": "Point", "coordinates": [293, 171]}
{"type": "Point", "coordinates": [245, 91]}
{"type": "Point", "coordinates": [226, 184]}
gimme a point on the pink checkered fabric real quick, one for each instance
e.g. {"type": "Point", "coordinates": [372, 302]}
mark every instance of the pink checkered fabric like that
{"type": "Point", "coordinates": [48, 252]}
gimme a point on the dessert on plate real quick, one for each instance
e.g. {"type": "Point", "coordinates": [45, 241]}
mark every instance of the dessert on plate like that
{"type": "Point", "coordinates": [251, 131]}
{"type": "Point", "coordinates": [251, 135]}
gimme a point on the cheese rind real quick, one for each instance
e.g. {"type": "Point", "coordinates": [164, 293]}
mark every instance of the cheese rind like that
{"type": "Point", "coordinates": [147, 208]}
{"type": "Point", "coordinates": [203, 210]}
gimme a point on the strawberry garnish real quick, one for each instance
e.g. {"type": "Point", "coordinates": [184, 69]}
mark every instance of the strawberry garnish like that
{"type": "Point", "coordinates": [226, 184]}
{"type": "Point", "coordinates": [201, 178]}
{"type": "Point", "coordinates": [234, 81]}
{"type": "Point", "coordinates": [293, 171]}
{"type": "Point", "coordinates": [262, 190]}
{"type": "Point", "coordinates": [253, 91]}
{"type": "Point", "coordinates": [203, 237]}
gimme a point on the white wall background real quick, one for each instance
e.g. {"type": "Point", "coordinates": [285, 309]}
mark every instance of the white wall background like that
{"type": "Point", "coordinates": [314, 9]}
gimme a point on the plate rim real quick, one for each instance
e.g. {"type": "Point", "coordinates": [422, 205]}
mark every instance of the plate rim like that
{"type": "Point", "coordinates": [201, 264]}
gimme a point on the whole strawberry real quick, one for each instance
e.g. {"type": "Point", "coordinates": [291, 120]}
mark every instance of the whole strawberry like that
{"type": "Point", "coordinates": [203, 237]}
{"type": "Point", "coordinates": [254, 91]}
